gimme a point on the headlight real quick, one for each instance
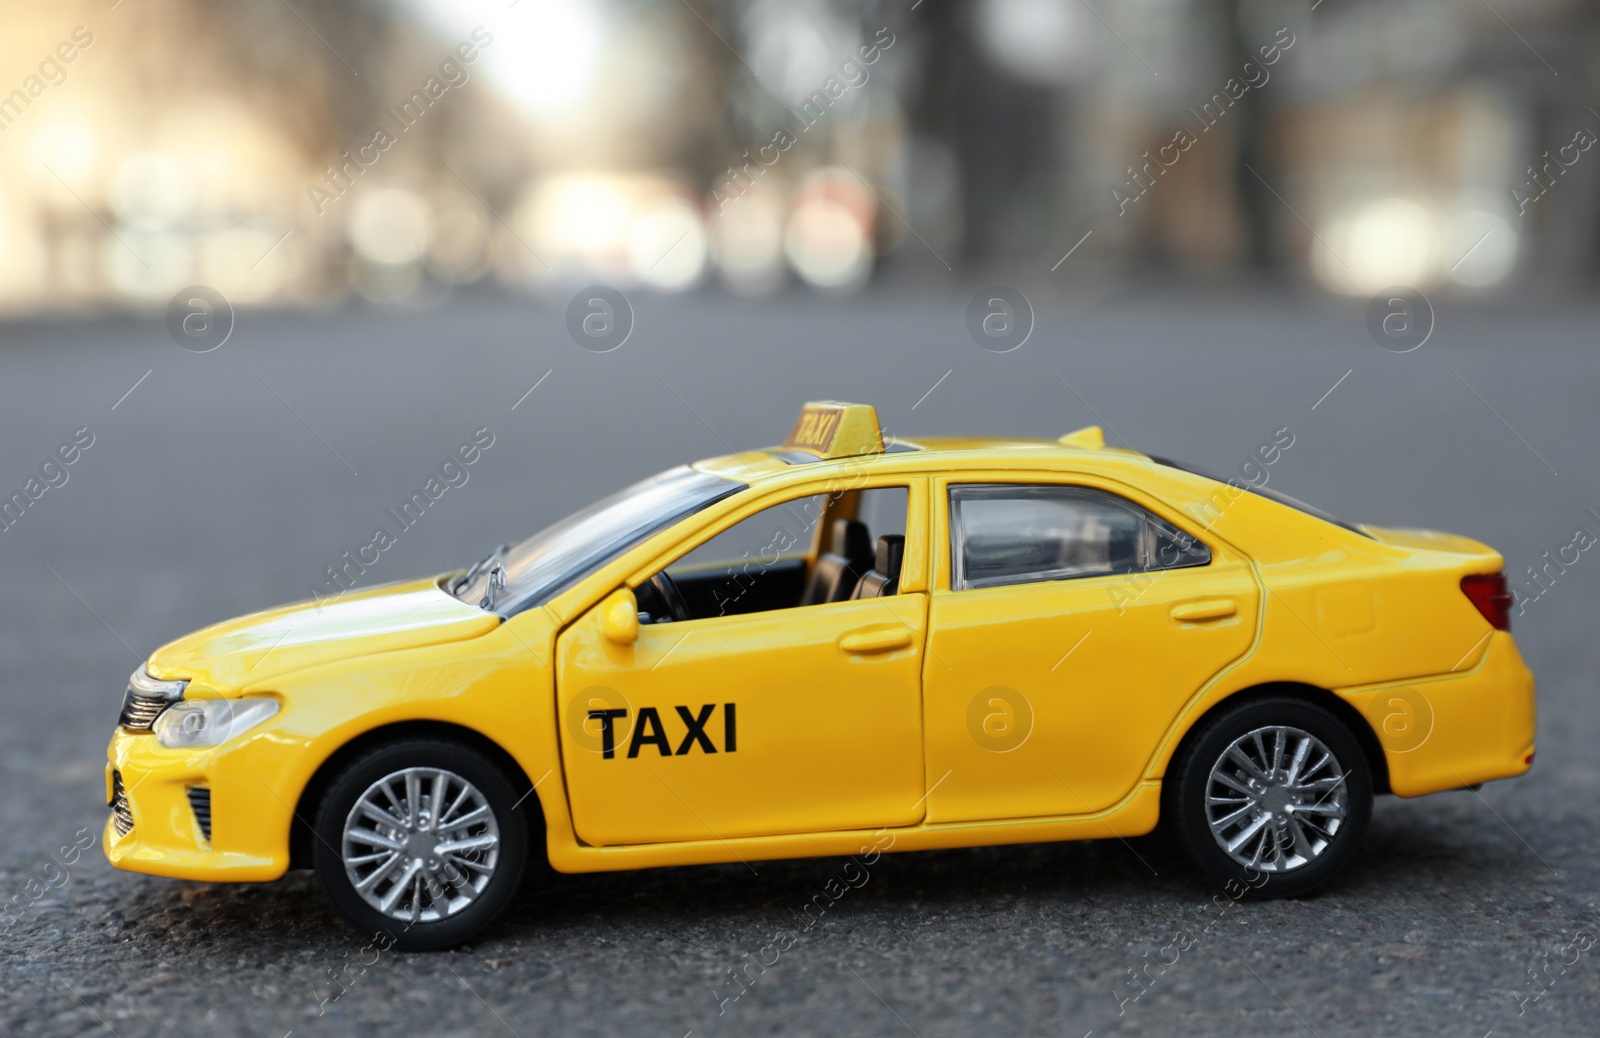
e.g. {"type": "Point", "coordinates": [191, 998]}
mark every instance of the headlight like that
{"type": "Point", "coordinates": [142, 684]}
{"type": "Point", "coordinates": [210, 722]}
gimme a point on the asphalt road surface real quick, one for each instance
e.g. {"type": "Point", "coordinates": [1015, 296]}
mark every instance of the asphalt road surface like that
{"type": "Point", "coordinates": [225, 482]}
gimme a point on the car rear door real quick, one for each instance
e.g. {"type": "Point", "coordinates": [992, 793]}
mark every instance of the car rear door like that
{"type": "Point", "coordinates": [1052, 681]}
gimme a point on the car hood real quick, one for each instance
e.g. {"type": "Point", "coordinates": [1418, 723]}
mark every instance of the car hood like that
{"type": "Point", "coordinates": [255, 648]}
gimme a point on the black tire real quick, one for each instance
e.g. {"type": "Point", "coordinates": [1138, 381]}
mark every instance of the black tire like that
{"type": "Point", "coordinates": [1285, 869]}
{"type": "Point", "coordinates": [454, 926]}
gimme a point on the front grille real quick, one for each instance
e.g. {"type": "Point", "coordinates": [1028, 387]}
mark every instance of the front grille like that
{"type": "Point", "coordinates": [121, 814]}
{"type": "Point", "coordinates": [200, 801]}
{"type": "Point", "coordinates": [139, 712]}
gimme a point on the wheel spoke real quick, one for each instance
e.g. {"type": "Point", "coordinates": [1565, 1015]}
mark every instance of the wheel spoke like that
{"type": "Point", "coordinates": [462, 883]}
{"type": "Point", "coordinates": [455, 805]}
{"type": "Point", "coordinates": [394, 801]}
{"type": "Point", "coordinates": [472, 817]}
{"type": "Point", "coordinates": [436, 804]}
{"type": "Point", "coordinates": [1318, 766]}
{"type": "Point", "coordinates": [1222, 778]}
{"type": "Point", "coordinates": [1302, 846]}
{"type": "Point", "coordinates": [476, 866]}
{"type": "Point", "coordinates": [378, 873]}
{"type": "Point", "coordinates": [470, 843]}
{"type": "Point", "coordinates": [1298, 761]}
{"type": "Point", "coordinates": [1260, 745]}
{"type": "Point", "coordinates": [379, 815]}
{"type": "Point", "coordinates": [1237, 755]}
{"type": "Point", "coordinates": [1232, 816]}
{"type": "Point", "coordinates": [1248, 831]}
{"type": "Point", "coordinates": [1262, 839]}
{"type": "Point", "coordinates": [404, 881]}
{"type": "Point", "coordinates": [375, 839]}
{"type": "Point", "coordinates": [413, 794]}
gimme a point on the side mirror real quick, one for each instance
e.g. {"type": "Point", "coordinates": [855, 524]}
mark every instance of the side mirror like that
{"type": "Point", "coordinates": [619, 617]}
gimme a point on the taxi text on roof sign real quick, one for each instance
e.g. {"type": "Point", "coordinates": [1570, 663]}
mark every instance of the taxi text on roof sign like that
{"type": "Point", "coordinates": [832, 429]}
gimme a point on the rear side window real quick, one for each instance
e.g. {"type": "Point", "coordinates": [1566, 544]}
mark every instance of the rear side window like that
{"type": "Point", "coordinates": [1005, 533]}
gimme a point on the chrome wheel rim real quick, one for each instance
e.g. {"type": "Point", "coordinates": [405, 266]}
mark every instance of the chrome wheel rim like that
{"type": "Point", "coordinates": [421, 844]}
{"type": "Point", "coordinates": [1276, 799]}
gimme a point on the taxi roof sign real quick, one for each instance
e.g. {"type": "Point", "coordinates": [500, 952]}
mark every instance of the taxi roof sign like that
{"type": "Point", "coordinates": [834, 429]}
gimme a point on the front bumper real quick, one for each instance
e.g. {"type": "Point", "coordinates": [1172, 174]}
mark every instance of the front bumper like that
{"type": "Point", "coordinates": [1455, 730]}
{"type": "Point", "coordinates": [249, 824]}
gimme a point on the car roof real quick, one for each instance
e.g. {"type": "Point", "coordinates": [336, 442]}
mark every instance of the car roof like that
{"type": "Point", "coordinates": [922, 454]}
{"type": "Point", "coordinates": [835, 443]}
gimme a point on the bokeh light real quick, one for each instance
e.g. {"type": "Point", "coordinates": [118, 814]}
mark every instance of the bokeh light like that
{"type": "Point", "coordinates": [749, 241]}
{"type": "Point", "coordinates": [389, 226]}
{"type": "Point", "coordinates": [1391, 241]}
{"type": "Point", "coordinates": [829, 237]}
{"type": "Point", "coordinates": [1484, 242]}
{"type": "Point", "coordinates": [667, 247]}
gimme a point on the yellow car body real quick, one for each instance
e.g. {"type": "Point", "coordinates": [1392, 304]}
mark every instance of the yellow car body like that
{"type": "Point", "coordinates": [935, 717]}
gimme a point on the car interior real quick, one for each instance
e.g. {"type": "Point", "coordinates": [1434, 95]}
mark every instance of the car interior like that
{"type": "Point", "coordinates": [806, 552]}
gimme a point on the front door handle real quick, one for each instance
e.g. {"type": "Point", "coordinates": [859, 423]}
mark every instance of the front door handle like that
{"type": "Point", "coordinates": [1204, 610]}
{"type": "Point", "coordinates": [876, 639]}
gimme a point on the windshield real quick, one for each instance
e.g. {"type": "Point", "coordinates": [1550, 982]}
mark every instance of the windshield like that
{"type": "Point", "coordinates": [517, 576]}
{"type": "Point", "coordinates": [1262, 491]}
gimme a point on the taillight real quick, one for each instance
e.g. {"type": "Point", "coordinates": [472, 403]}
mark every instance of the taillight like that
{"type": "Point", "coordinates": [1489, 593]}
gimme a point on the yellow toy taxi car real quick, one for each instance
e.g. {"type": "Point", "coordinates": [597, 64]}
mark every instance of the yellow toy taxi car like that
{"type": "Point", "coordinates": [835, 644]}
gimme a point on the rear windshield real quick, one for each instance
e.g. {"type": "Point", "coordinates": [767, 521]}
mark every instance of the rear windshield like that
{"type": "Point", "coordinates": [1262, 491]}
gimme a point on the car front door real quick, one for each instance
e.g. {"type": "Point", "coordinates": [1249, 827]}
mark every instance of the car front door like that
{"type": "Point", "coordinates": [1071, 622]}
{"type": "Point", "coordinates": [782, 720]}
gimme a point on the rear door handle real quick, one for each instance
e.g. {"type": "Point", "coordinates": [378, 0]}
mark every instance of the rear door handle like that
{"type": "Point", "coordinates": [876, 639]}
{"type": "Point", "coordinates": [1205, 609]}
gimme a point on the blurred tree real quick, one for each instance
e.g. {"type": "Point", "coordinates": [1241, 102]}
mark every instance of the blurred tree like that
{"type": "Point", "coordinates": [1253, 165]}
{"type": "Point", "coordinates": [997, 125]}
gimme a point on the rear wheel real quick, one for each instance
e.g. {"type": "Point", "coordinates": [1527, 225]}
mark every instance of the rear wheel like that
{"type": "Point", "coordinates": [421, 840]}
{"type": "Point", "coordinates": [1274, 794]}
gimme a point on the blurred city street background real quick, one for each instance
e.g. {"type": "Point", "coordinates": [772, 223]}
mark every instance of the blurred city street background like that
{"type": "Point", "coordinates": [304, 154]}
{"type": "Point", "coordinates": [273, 260]}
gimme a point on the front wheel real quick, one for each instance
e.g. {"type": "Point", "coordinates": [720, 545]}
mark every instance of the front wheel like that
{"type": "Point", "coordinates": [421, 841]}
{"type": "Point", "coordinates": [1274, 794]}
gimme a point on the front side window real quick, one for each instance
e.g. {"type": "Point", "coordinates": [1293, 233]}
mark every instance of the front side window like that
{"type": "Point", "coordinates": [1021, 533]}
{"type": "Point", "coordinates": [767, 537]}
{"type": "Point", "coordinates": [765, 561]}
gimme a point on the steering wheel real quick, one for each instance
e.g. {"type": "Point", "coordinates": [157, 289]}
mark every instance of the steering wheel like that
{"type": "Point", "coordinates": [667, 588]}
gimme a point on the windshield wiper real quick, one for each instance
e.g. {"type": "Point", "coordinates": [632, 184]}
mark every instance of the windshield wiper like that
{"type": "Point", "coordinates": [495, 585]}
{"type": "Point", "coordinates": [477, 568]}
